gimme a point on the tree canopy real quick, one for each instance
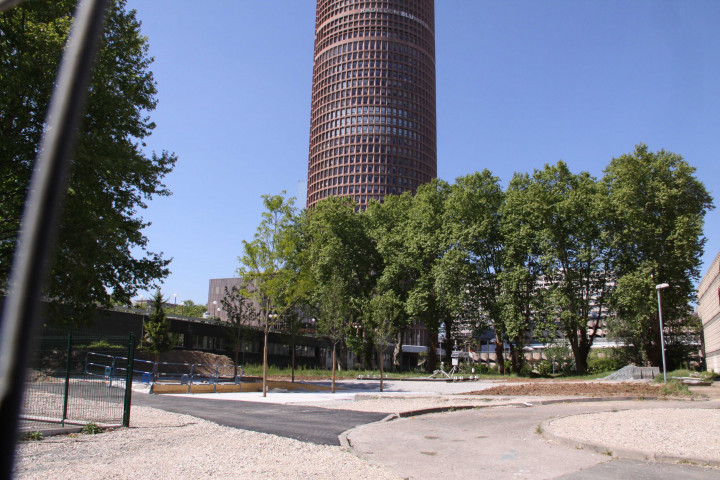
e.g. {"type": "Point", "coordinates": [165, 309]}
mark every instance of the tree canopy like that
{"type": "Point", "coordinates": [547, 258]}
{"type": "Point", "coordinates": [101, 252]}
{"type": "Point", "coordinates": [658, 208]}
{"type": "Point", "coordinates": [158, 338]}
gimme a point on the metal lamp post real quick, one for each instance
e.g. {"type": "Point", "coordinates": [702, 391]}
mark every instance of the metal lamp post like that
{"type": "Point", "coordinates": [175, 303]}
{"type": "Point", "coordinates": [662, 335]}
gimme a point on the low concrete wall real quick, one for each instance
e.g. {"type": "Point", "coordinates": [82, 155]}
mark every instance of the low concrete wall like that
{"type": "Point", "coordinates": [169, 388]}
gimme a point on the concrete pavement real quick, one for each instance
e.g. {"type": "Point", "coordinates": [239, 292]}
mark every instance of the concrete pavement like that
{"type": "Point", "coordinates": [503, 443]}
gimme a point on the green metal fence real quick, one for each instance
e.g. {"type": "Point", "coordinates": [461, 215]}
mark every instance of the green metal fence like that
{"type": "Point", "coordinates": [65, 386]}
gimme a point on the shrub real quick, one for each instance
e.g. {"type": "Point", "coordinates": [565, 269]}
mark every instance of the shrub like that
{"type": "Point", "coordinates": [92, 428]}
{"type": "Point", "coordinates": [33, 436]}
{"type": "Point", "coordinates": [526, 369]}
{"type": "Point", "coordinates": [544, 368]}
{"type": "Point", "coordinates": [626, 355]}
{"type": "Point", "coordinates": [560, 354]}
{"type": "Point", "coordinates": [101, 345]}
{"type": "Point", "coordinates": [606, 363]}
{"type": "Point", "coordinates": [482, 368]}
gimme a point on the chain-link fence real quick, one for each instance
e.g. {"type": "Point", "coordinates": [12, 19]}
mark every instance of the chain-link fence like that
{"type": "Point", "coordinates": [75, 380]}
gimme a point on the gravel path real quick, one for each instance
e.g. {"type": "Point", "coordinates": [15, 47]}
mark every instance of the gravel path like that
{"type": "Point", "coordinates": [164, 445]}
{"type": "Point", "coordinates": [684, 432]}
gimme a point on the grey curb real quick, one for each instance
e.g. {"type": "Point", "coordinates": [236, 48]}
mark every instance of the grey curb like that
{"type": "Point", "coordinates": [345, 441]}
{"type": "Point", "coordinates": [50, 432]}
{"type": "Point", "coordinates": [624, 453]}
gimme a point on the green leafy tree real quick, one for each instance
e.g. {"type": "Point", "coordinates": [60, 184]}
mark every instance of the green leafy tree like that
{"type": "Point", "coordinates": [386, 223]}
{"type": "Point", "coordinates": [576, 255]}
{"type": "Point", "coordinates": [241, 313]}
{"type": "Point", "coordinates": [293, 288]}
{"type": "Point", "coordinates": [264, 266]}
{"type": "Point", "coordinates": [658, 208]}
{"type": "Point", "coordinates": [474, 259]}
{"type": "Point", "coordinates": [522, 302]}
{"type": "Point", "coordinates": [385, 318]}
{"type": "Point", "coordinates": [188, 308]}
{"type": "Point", "coordinates": [100, 247]}
{"type": "Point", "coordinates": [425, 246]}
{"type": "Point", "coordinates": [341, 258]}
{"type": "Point", "coordinates": [158, 337]}
{"type": "Point", "coordinates": [334, 311]}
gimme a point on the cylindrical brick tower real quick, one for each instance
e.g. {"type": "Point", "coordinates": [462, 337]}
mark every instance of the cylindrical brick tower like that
{"type": "Point", "coordinates": [372, 130]}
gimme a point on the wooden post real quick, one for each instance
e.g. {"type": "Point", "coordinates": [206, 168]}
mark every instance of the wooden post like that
{"type": "Point", "coordinates": [380, 354]}
{"type": "Point", "coordinates": [264, 385]}
{"type": "Point", "coordinates": [333, 368]}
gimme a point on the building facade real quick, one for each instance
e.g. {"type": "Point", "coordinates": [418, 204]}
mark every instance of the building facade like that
{"type": "Point", "coordinates": [217, 293]}
{"type": "Point", "coordinates": [373, 119]}
{"type": "Point", "coordinates": [708, 310]}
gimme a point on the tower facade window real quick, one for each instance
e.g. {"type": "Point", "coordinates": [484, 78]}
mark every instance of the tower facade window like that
{"type": "Point", "coordinates": [373, 98]}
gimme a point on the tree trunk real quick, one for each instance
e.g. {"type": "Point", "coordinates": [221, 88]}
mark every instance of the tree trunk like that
{"type": "Point", "coordinates": [580, 352]}
{"type": "Point", "coordinates": [380, 355]}
{"type": "Point", "coordinates": [499, 353]}
{"type": "Point", "coordinates": [654, 353]}
{"type": "Point", "coordinates": [264, 385]}
{"type": "Point", "coordinates": [448, 342]}
{"type": "Point", "coordinates": [397, 352]}
{"type": "Point", "coordinates": [333, 368]}
{"type": "Point", "coordinates": [237, 349]}
{"type": "Point", "coordinates": [432, 358]}
{"type": "Point", "coordinates": [292, 360]}
{"type": "Point", "coordinates": [516, 357]}
{"type": "Point", "coordinates": [368, 355]}
{"type": "Point", "coordinates": [341, 357]}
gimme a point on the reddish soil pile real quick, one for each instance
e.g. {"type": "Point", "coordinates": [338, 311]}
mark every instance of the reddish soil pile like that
{"type": "Point", "coordinates": [562, 389]}
{"type": "Point", "coordinates": [205, 362]}
{"type": "Point", "coordinates": [187, 356]}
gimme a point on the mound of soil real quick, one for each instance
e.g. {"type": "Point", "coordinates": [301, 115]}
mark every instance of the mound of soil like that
{"type": "Point", "coordinates": [208, 360]}
{"type": "Point", "coordinates": [561, 389]}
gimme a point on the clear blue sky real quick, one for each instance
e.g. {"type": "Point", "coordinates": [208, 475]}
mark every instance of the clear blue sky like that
{"type": "Point", "coordinates": [519, 84]}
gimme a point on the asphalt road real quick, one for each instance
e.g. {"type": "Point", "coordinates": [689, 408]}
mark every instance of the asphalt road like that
{"type": "Point", "coordinates": [308, 424]}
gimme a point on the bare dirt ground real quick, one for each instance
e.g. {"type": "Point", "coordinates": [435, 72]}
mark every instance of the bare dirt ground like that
{"type": "Point", "coordinates": [562, 389]}
{"type": "Point", "coordinates": [527, 387]}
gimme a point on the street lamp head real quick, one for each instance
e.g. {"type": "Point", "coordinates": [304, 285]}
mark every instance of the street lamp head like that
{"type": "Point", "coordinates": [661, 286]}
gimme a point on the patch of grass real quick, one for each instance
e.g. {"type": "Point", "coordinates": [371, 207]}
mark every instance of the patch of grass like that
{"type": "Point", "coordinates": [676, 388]}
{"type": "Point", "coordinates": [92, 429]}
{"type": "Point", "coordinates": [272, 371]}
{"type": "Point", "coordinates": [588, 376]}
{"type": "Point", "coordinates": [33, 436]}
{"type": "Point", "coordinates": [539, 429]}
{"type": "Point", "coordinates": [100, 345]}
{"type": "Point", "coordinates": [684, 373]}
